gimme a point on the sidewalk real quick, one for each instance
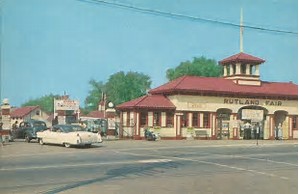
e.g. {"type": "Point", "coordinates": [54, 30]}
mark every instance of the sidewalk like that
{"type": "Point", "coordinates": [140, 144]}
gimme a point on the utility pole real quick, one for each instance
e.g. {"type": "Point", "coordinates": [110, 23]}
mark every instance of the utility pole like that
{"type": "Point", "coordinates": [1, 43]}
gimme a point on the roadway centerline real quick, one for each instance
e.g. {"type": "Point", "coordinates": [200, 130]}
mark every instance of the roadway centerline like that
{"type": "Point", "coordinates": [210, 163]}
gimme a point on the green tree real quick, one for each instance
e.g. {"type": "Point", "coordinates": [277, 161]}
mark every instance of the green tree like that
{"type": "Point", "coordinates": [94, 95]}
{"type": "Point", "coordinates": [198, 67]}
{"type": "Point", "coordinates": [46, 103]}
{"type": "Point", "coordinates": [123, 87]}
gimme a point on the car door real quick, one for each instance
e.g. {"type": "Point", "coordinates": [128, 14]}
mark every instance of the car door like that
{"type": "Point", "coordinates": [22, 129]}
{"type": "Point", "coordinates": [59, 136]}
{"type": "Point", "coordinates": [52, 136]}
{"type": "Point", "coordinates": [46, 136]}
{"type": "Point", "coordinates": [18, 132]}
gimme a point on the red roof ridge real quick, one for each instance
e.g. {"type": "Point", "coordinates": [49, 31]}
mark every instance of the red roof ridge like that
{"type": "Point", "coordinates": [23, 111]}
{"type": "Point", "coordinates": [213, 85]}
{"type": "Point", "coordinates": [141, 99]}
{"type": "Point", "coordinates": [148, 101]}
{"type": "Point", "coordinates": [242, 57]}
{"type": "Point", "coordinates": [180, 81]}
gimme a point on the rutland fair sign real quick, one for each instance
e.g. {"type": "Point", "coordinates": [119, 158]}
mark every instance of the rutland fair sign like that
{"type": "Point", "coordinates": [66, 104]}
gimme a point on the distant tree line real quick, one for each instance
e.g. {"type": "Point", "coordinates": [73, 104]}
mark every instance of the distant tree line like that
{"type": "Point", "coordinates": [122, 87]}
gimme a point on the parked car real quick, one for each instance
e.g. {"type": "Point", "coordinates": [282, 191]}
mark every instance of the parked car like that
{"type": "Point", "coordinates": [68, 135]}
{"type": "Point", "coordinates": [27, 129]}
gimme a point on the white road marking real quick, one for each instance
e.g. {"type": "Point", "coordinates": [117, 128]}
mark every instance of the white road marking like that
{"type": "Point", "coordinates": [204, 146]}
{"type": "Point", "coordinates": [210, 155]}
{"type": "Point", "coordinates": [153, 161]}
{"type": "Point", "coordinates": [266, 160]}
{"type": "Point", "coordinates": [159, 160]}
{"type": "Point", "coordinates": [145, 148]}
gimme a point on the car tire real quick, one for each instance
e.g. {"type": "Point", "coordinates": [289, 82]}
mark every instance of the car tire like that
{"type": "Point", "coordinates": [87, 145]}
{"type": "Point", "coordinates": [27, 139]}
{"type": "Point", "coordinates": [41, 142]}
{"type": "Point", "coordinates": [67, 145]}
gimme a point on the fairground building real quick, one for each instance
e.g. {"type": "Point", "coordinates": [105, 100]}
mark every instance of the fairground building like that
{"type": "Point", "coordinates": [236, 106]}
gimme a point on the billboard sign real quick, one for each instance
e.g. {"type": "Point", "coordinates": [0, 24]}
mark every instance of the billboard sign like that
{"type": "Point", "coordinates": [253, 115]}
{"type": "Point", "coordinates": [66, 104]}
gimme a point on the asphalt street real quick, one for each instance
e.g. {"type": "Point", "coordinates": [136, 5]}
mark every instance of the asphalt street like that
{"type": "Point", "coordinates": [134, 167]}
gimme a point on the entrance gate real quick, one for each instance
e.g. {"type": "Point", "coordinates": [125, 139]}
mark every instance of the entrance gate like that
{"type": "Point", "coordinates": [252, 122]}
{"type": "Point", "coordinates": [223, 128]}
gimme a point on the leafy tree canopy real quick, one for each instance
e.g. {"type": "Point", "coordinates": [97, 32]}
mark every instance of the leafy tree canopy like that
{"type": "Point", "coordinates": [94, 95]}
{"type": "Point", "coordinates": [198, 67]}
{"type": "Point", "coordinates": [122, 87]}
{"type": "Point", "coordinates": [46, 103]}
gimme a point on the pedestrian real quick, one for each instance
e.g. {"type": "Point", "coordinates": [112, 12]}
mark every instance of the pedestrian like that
{"type": "Point", "coordinates": [279, 133]}
{"type": "Point", "coordinates": [15, 125]}
{"type": "Point", "coordinates": [1, 128]}
{"type": "Point", "coordinates": [247, 130]}
{"type": "Point", "coordinates": [14, 129]}
{"type": "Point", "coordinates": [55, 121]}
{"type": "Point", "coordinates": [258, 130]}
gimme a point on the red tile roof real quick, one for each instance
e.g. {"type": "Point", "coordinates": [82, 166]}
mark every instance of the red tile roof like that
{"type": "Point", "coordinates": [213, 85]}
{"type": "Point", "coordinates": [148, 101]}
{"type": "Point", "coordinates": [96, 114]}
{"type": "Point", "coordinates": [23, 111]}
{"type": "Point", "coordinates": [242, 57]}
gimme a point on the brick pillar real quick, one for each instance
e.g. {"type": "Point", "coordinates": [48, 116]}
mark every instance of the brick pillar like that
{"type": "Point", "coordinates": [5, 111]}
{"type": "Point", "coordinates": [61, 116]}
{"type": "Point", "coordinates": [271, 127]}
{"type": "Point", "coordinates": [213, 126]}
{"type": "Point", "coordinates": [236, 135]}
{"type": "Point", "coordinates": [121, 124]}
{"type": "Point", "coordinates": [137, 126]}
{"type": "Point", "coordinates": [290, 127]}
{"type": "Point", "coordinates": [110, 115]}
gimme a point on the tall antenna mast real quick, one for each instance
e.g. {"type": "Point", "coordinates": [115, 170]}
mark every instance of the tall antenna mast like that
{"type": "Point", "coordinates": [241, 30]}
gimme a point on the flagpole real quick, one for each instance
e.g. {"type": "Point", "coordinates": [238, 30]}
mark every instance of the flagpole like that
{"type": "Point", "coordinates": [241, 30]}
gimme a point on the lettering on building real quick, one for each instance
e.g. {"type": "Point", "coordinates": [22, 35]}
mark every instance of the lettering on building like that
{"type": "Point", "coordinates": [251, 102]}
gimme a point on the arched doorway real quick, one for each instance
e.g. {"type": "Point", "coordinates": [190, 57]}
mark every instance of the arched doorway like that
{"type": "Point", "coordinates": [223, 129]}
{"type": "Point", "coordinates": [280, 120]}
{"type": "Point", "coordinates": [252, 122]}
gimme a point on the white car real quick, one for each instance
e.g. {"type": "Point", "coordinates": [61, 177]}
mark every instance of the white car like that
{"type": "Point", "coordinates": [68, 135]}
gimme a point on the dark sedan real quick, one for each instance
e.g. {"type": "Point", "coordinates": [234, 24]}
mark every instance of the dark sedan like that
{"type": "Point", "coordinates": [27, 129]}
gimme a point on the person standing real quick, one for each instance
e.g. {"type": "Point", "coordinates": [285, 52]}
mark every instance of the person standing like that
{"type": "Point", "coordinates": [1, 128]}
{"type": "Point", "coordinates": [247, 130]}
{"type": "Point", "coordinates": [279, 133]}
{"type": "Point", "coordinates": [55, 121]}
{"type": "Point", "coordinates": [15, 125]}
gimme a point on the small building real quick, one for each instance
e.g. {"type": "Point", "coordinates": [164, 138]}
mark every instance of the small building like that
{"type": "Point", "coordinates": [28, 112]}
{"type": "Point", "coordinates": [66, 110]}
{"type": "Point", "coordinates": [238, 105]}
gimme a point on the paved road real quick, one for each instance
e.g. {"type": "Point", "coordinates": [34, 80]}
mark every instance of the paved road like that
{"type": "Point", "coordinates": [135, 167]}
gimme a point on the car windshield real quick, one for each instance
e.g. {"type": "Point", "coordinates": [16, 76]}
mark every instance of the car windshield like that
{"type": "Point", "coordinates": [39, 124]}
{"type": "Point", "coordinates": [71, 128]}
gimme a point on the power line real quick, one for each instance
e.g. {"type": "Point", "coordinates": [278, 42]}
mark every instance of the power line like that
{"type": "Point", "coordinates": [183, 16]}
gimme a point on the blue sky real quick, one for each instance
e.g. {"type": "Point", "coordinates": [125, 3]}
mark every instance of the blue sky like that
{"type": "Point", "coordinates": [52, 46]}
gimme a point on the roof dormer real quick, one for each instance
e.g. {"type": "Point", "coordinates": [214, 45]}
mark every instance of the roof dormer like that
{"type": "Point", "coordinates": [242, 68]}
